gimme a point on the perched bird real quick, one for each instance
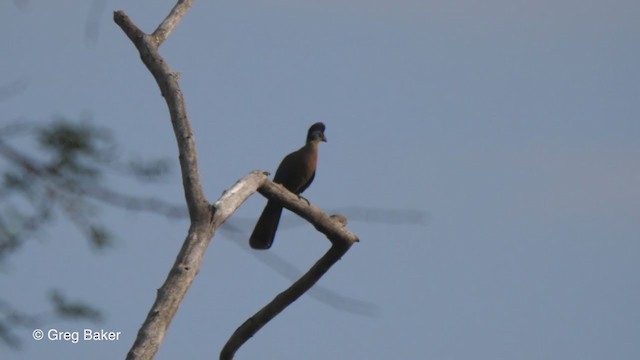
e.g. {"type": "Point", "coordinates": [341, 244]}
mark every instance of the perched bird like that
{"type": "Point", "coordinates": [295, 172]}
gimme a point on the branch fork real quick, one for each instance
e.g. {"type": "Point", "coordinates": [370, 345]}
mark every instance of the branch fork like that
{"type": "Point", "coordinates": [206, 218]}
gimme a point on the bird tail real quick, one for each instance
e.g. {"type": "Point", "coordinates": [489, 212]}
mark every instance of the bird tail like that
{"type": "Point", "coordinates": [265, 230]}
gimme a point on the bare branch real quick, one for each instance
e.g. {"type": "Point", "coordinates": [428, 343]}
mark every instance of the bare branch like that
{"type": "Point", "coordinates": [284, 299]}
{"type": "Point", "coordinates": [322, 221]}
{"type": "Point", "coordinates": [331, 226]}
{"type": "Point", "coordinates": [166, 27]}
{"type": "Point", "coordinates": [283, 267]}
{"type": "Point", "coordinates": [187, 266]}
{"type": "Point", "coordinates": [168, 83]}
{"type": "Point", "coordinates": [205, 219]}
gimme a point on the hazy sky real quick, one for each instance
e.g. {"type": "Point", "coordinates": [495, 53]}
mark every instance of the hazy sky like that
{"type": "Point", "coordinates": [514, 126]}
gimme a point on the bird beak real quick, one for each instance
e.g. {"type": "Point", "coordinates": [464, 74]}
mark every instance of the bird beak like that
{"type": "Point", "coordinates": [319, 134]}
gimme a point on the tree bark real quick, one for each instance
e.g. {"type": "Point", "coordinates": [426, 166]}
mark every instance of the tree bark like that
{"type": "Point", "coordinates": [332, 226]}
{"type": "Point", "coordinates": [206, 219]}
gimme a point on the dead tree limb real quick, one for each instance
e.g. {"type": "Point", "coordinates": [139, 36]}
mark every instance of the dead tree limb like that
{"type": "Point", "coordinates": [341, 239]}
{"type": "Point", "coordinates": [167, 80]}
{"type": "Point", "coordinates": [205, 219]}
{"type": "Point", "coordinates": [187, 266]}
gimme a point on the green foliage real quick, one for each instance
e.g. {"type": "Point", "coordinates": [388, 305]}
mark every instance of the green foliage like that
{"type": "Point", "coordinates": [73, 310]}
{"type": "Point", "coordinates": [57, 172]}
{"type": "Point", "coordinates": [64, 178]}
{"type": "Point", "coordinates": [99, 236]}
{"type": "Point", "coordinates": [76, 148]}
{"type": "Point", "coordinates": [150, 170]}
{"type": "Point", "coordinates": [54, 181]}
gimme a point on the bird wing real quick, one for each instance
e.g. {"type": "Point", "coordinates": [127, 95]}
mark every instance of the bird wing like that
{"type": "Point", "coordinates": [306, 185]}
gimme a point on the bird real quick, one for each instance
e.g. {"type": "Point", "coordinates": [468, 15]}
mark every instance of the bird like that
{"type": "Point", "coordinates": [295, 172]}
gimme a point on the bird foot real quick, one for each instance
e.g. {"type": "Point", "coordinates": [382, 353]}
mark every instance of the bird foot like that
{"type": "Point", "coordinates": [303, 198]}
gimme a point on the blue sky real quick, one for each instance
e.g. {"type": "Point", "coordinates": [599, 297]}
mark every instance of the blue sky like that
{"type": "Point", "coordinates": [513, 125]}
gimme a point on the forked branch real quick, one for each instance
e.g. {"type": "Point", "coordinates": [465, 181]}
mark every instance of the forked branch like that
{"type": "Point", "coordinates": [167, 80]}
{"type": "Point", "coordinates": [332, 226]}
{"type": "Point", "coordinates": [206, 219]}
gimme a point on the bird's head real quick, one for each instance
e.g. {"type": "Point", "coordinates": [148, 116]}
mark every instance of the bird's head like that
{"type": "Point", "coordinates": [316, 132]}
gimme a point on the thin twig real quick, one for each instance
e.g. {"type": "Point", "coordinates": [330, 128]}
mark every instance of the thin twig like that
{"type": "Point", "coordinates": [166, 27]}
